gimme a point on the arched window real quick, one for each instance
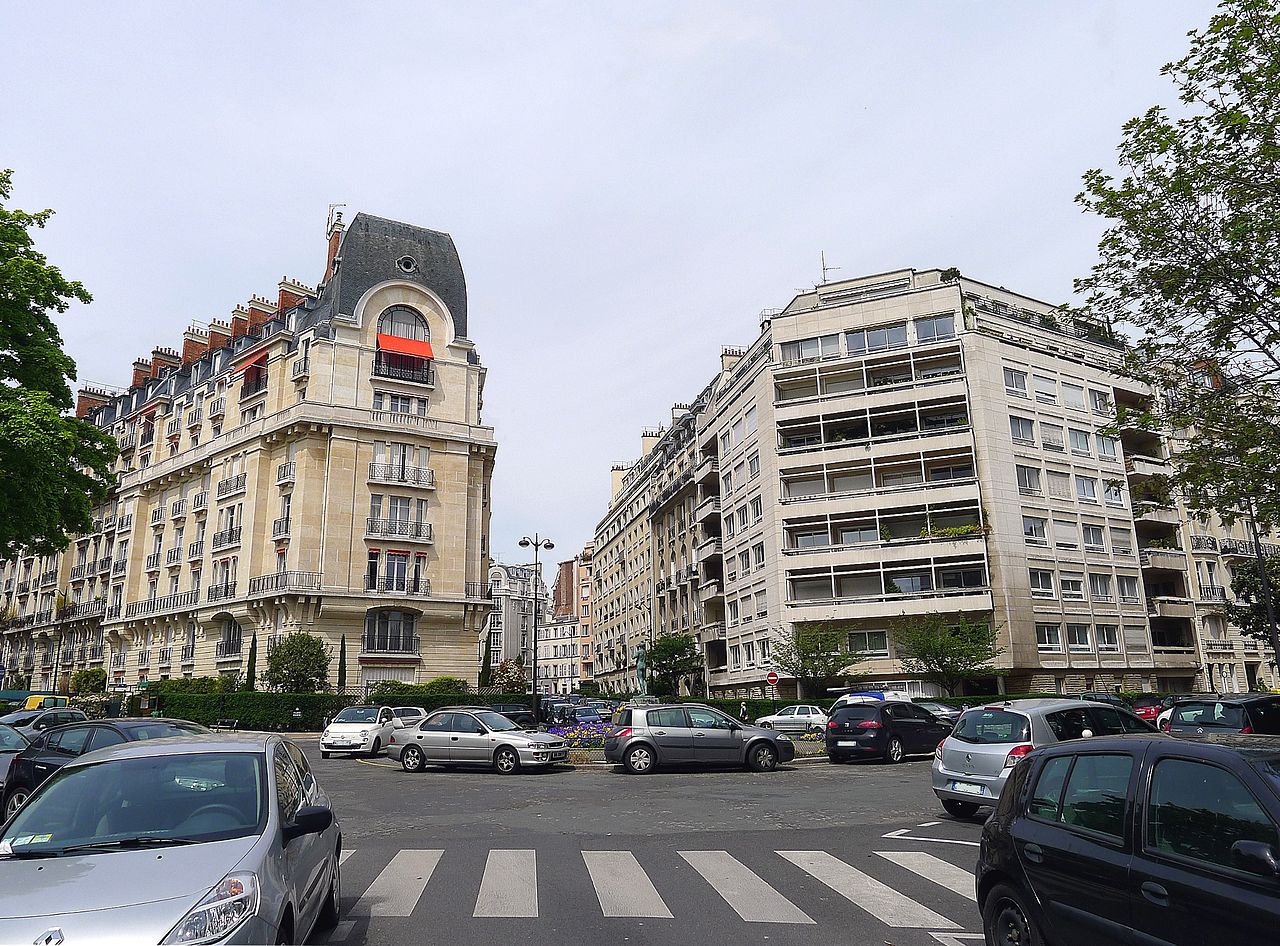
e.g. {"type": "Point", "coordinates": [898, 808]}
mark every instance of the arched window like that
{"type": "Point", "coordinates": [403, 322]}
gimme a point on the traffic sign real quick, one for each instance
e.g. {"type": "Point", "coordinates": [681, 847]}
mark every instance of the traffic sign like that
{"type": "Point", "coordinates": [772, 678]}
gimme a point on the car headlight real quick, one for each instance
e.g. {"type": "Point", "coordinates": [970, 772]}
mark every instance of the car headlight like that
{"type": "Point", "coordinates": [783, 737]}
{"type": "Point", "coordinates": [325, 734]}
{"type": "Point", "coordinates": [364, 734]}
{"type": "Point", "coordinates": [232, 900]}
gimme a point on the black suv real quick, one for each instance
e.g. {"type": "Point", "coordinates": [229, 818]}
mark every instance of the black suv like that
{"type": "Point", "coordinates": [1136, 839]}
{"type": "Point", "coordinates": [889, 730]}
{"type": "Point", "coordinates": [1246, 713]}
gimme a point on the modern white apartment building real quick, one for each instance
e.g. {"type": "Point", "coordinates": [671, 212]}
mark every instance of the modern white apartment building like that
{"type": "Point", "coordinates": [316, 463]}
{"type": "Point", "coordinates": [517, 591]}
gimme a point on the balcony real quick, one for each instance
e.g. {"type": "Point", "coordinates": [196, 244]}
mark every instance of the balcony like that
{"type": "Point", "coordinates": [707, 466]}
{"type": "Point", "coordinates": [480, 590]}
{"type": "Point", "coordinates": [405, 475]}
{"type": "Point", "coordinates": [222, 592]}
{"type": "Point", "coordinates": [413, 370]}
{"type": "Point", "coordinates": [200, 501]}
{"type": "Point", "coordinates": [157, 516]}
{"type": "Point", "coordinates": [67, 657]}
{"type": "Point", "coordinates": [49, 578]}
{"type": "Point", "coordinates": [144, 658]}
{"type": "Point", "coordinates": [195, 416]}
{"type": "Point", "coordinates": [128, 442]}
{"type": "Point", "coordinates": [125, 522]}
{"type": "Point", "coordinates": [284, 581]}
{"type": "Point", "coordinates": [253, 386]}
{"type": "Point", "coordinates": [109, 524]}
{"type": "Point", "coordinates": [118, 566]}
{"type": "Point", "coordinates": [173, 428]}
{"type": "Point", "coordinates": [301, 368]}
{"type": "Point", "coordinates": [713, 631]}
{"type": "Point", "coordinates": [104, 564]}
{"type": "Point", "coordinates": [399, 529]}
{"type": "Point", "coordinates": [1148, 510]}
{"type": "Point", "coordinates": [228, 648]}
{"type": "Point", "coordinates": [95, 653]}
{"type": "Point", "coordinates": [226, 539]}
{"type": "Point", "coordinates": [153, 562]}
{"type": "Point", "coordinates": [179, 509]}
{"type": "Point", "coordinates": [707, 508]}
{"type": "Point", "coordinates": [286, 473]}
{"type": "Point", "coordinates": [117, 661]}
{"type": "Point", "coordinates": [1138, 465]}
{"type": "Point", "coordinates": [217, 407]}
{"type": "Point", "coordinates": [179, 601]}
{"type": "Point", "coordinates": [1211, 592]}
{"type": "Point", "coordinates": [709, 548]}
{"type": "Point", "coordinates": [165, 658]}
{"type": "Point", "coordinates": [1166, 606]}
{"type": "Point", "coordinates": [24, 587]}
{"type": "Point", "coordinates": [173, 556]}
{"type": "Point", "coordinates": [232, 485]}
{"type": "Point", "coordinates": [28, 661]}
{"type": "Point", "coordinates": [1155, 557]}
{"type": "Point", "coordinates": [412, 587]}
{"type": "Point", "coordinates": [374, 643]}
{"type": "Point", "coordinates": [1204, 543]}
{"type": "Point", "coordinates": [113, 612]}
{"type": "Point", "coordinates": [188, 653]}
{"type": "Point", "coordinates": [195, 551]}
{"type": "Point", "coordinates": [280, 528]}
{"type": "Point", "coordinates": [78, 571]}
{"type": "Point", "coordinates": [1218, 644]}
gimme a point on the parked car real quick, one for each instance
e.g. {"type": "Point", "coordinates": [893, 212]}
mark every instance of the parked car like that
{"type": "Point", "coordinates": [971, 765]}
{"type": "Point", "coordinates": [522, 716]}
{"type": "Point", "coordinates": [1169, 702]}
{"type": "Point", "coordinates": [584, 715]}
{"type": "Point", "coordinates": [868, 696]}
{"type": "Point", "coordinates": [11, 743]}
{"type": "Point", "coordinates": [408, 715]}
{"type": "Point", "coordinates": [1100, 696]}
{"type": "Point", "coordinates": [470, 735]}
{"type": "Point", "coordinates": [801, 718]}
{"type": "Point", "coordinates": [645, 737]}
{"type": "Point", "coordinates": [33, 722]}
{"type": "Point", "coordinates": [944, 711]}
{"type": "Point", "coordinates": [890, 730]}
{"type": "Point", "coordinates": [1245, 713]}
{"type": "Point", "coordinates": [1136, 839]}
{"type": "Point", "coordinates": [1147, 706]}
{"type": "Point", "coordinates": [203, 838]}
{"type": "Point", "coordinates": [53, 749]}
{"type": "Point", "coordinates": [358, 729]}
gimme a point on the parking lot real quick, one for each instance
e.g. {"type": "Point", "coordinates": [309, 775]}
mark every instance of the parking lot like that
{"type": "Point", "coordinates": [812, 853]}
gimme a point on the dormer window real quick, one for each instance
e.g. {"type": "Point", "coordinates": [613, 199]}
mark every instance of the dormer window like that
{"type": "Point", "coordinates": [404, 346]}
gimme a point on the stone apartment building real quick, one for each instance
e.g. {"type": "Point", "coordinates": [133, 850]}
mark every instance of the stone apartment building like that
{"type": "Point", "coordinates": [914, 443]}
{"type": "Point", "coordinates": [517, 591]}
{"type": "Point", "coordinates": [318, 463]}
{"type": "Point", "coordinates": [565, 655]}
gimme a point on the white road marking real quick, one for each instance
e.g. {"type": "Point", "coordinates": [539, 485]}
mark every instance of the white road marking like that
{"type": "Point", "coordinates": [941, 872]}
{"type": "Point", "coordinates": [958, 939]}
{"type": "Point", "coordinates": [340, 932]}
{"type": "Point", "coordinates": [882, 902]}
{"type": "Point", "coordinates": [929, 824]}
{"type": "Point", "coordinates": [510, 885]}
{"type": "Point", "coordinates": [396, 890]}
{"type": "Point", "coordinates": [342, 857]}
{"type": "Point", "coordinates": [901, 835]}
{"type": "Point", "coordinates": [622, 886]}
{"type": "Point", "coordinates": [751, 898]}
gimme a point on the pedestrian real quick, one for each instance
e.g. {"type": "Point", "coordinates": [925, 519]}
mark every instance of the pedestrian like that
{"type": "Point", "coordinates": [742, 712]}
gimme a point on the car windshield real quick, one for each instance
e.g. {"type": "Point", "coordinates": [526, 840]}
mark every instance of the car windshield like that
{"type": "Point", "coordinates": [992, 726]}
{"type": "Point", "coordinates": [11, 740]}
{"type": "Point", "coordinates": [495, 721]}
{"type": "Point", "coordinates": [357, 714]}
{"type": "Point", "coordinates": [1208, 714]}
{"type": "Point", "coordinates": [181, 798]}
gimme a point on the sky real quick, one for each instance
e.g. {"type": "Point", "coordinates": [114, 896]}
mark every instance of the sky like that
{"type": "Point", "coordinates": [628, 185]}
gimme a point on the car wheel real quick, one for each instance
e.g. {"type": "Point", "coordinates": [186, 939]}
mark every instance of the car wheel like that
{"type": "Point", "coordinates": [16, 801]}
{"type": "Point", "coordinates": [959, 809]}
{"type": "Point", "coordinates": [762, 758]}
{"type": "Point", "coordinates": [325, 755]}
{"type": "Point", "coordinates": [639, 760]}
{"type": "Point", "coordinates": [1005, 921]}
{"type": "Point", "coordinates": [893, 752]}
{"type": "Point", "coordinates": [505, 761]}
{"type": "Point", "coordinates": [377, 747]}
{"type": "Point", "coordinates": [331, 912]}
{"type": "Point", "coordinates": [411, 759]}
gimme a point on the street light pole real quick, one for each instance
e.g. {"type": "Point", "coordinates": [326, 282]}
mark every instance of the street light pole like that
{"type": "Point", "coordinates": [537, 543]}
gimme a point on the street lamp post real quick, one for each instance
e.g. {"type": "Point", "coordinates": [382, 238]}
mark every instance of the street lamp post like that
{"type": "Point", "coordinates": [537, 543]}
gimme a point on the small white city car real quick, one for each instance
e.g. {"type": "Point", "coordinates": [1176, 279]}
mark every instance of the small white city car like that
{"type": "Point", "coordinates": [801, 718]}
{"type": "Point", "coordinates": [363, 730]}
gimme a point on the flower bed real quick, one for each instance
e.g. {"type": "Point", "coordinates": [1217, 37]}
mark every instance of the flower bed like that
{"type": "Point", "coordinates": [582, 735]}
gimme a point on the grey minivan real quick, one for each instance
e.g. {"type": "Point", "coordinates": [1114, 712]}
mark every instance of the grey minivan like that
{"type": "Point", "coordinates": [971, 765]}
{"type": "Point", "coordinates": [644, 737]}
{"type": "Point", "coordinates": [192, 839]}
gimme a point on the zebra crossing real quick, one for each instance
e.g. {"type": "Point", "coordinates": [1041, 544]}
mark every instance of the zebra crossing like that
{"type": "Point", "coordinates": [752, 887]}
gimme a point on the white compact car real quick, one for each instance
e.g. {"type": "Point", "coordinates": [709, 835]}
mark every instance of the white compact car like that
{"type": "Point", "coordinates": [801, 718]}
{"type": "Point", "coordinates": [365, 730]}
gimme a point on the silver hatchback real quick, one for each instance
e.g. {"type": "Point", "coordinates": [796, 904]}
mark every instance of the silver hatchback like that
{"type": "Point", "coordinates": [191, 839]}
{"type": "Point", "coordinates": [971, 765]}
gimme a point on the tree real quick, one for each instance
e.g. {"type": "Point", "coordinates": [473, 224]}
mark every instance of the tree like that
{"type": "Point", "coordinates": [342, 662]}
{"type": "Point", "coordinates": [509, 677]}
{"type": "Point", "coordinates": [486, 666]}
{"type": "Point", "coordinates": [947, 649]}
{"type": "Point", "coordinates": [54, 468]}
{"type": "Point", "coordinates": [1249, 611]}
{"type": "Point", "coordinates": [816, 655]}
{"type": "Point", "coordinates": [89, 680]}
{"type": "Point", "coordinates": [299, 663]}
{"type": "Point", "coordinates": [251, 673]}
{"type": "Point", "coordinates": [1190, 261]}
{"type": "Point", "coordinates": [672, 658]}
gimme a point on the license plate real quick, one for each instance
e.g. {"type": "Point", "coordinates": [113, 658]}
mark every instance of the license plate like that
{"type": "Point", "coordinates": [966, 788]}
{"type": "Point", "coordinates": [559, 756]}
{"type": "Point", "coordinates": [846, 742]}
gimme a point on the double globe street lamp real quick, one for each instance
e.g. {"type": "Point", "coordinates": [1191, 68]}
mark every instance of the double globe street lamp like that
{"type": "Point", "coordinates": [537, 543]}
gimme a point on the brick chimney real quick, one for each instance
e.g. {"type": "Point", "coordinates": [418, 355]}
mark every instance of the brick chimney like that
{"type": "Point", "coordinates": [88, 400]}
{"type": "Point", "coordinates": [194, 344]}
{"type": "Point", "coordinates": [219, 335]}
{"type": "Point", "coordinates": [141, 371]}
{"type": "Point", "coordinates": [291, 293]}
{"type": "Point", "coordinates": [335, 241]}
{"type": "Point", "coordinates": [260, 313]}
{"type": "Point", "coordinates": [163, 360]}
{"type": "Point", "coordinates": [239, 321]}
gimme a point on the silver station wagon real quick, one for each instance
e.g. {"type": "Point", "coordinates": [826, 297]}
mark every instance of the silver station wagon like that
{"type": "Point", "coordinates": [474, 735]}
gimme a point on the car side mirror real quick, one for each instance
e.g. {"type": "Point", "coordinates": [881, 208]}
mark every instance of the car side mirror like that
{"type": "Point", "coordinates": [1256, 857]}
{"type": "Point", "coordinates": [311, 819]}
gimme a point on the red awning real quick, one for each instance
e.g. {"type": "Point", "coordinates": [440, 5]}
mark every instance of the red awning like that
{"type": "Point", "coordinates": [259, 359]}
{"type": "Point", "coordinates": [405, 346]}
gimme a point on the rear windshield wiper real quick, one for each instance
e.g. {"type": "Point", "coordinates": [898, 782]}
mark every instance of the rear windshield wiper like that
{"type": "Point", "coordinates": [139, 841]}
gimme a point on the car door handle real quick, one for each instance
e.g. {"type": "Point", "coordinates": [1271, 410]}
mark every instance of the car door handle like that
{"type": "Point", "coordinates": [659, 732]}
{"type": "Point", "coordinates": [1034, 853]}
{"type": "Point", "coordinates": [699, 734]}
{"type": "Point", "coordinates": [453, 738]}
{"type": "Point", "coordinates": [1155, 893]}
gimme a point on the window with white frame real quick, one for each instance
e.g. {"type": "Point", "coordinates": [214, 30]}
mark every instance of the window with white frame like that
{"type": "Point", "coordinates": [1121, 541]}
{"type": "Point", "coordinates": [1080, 442]}
{"type": "Point", "coordinates": [1127, 589]}
{"type": "Point", "coordinates": [1100, 401]}
{"type": "Point", "coordinates": [1100, 587]}
{"type": "Point", "coordinates": [869, 643]}
{"type": "Point", "coordinates": [1046, 389]}
{"type": "Point", "coordinates": [1086, 489]}
{"type": "Point", "coordinates": [1108, 638]}
{"type": "Point", "coordinates": [1093, 538]}
{"type": "Point", "coordinates": [935, 328]}
{"type": "Point", "coordinates": [1108, 447]}
{"type": "Point", "coordinates": [1049, 636]}
{"type": "Point", "coordinates": [1033, 529]}
{"type": "Point", "coordinates": [1015, 382]}
{"type": "Point", "coordinates": [876, 339]}
{"type": "Point", "coordinates": [1071, 586]}
{"type": "Point", "coordinates": [1078, 638]}
{"type": "Point", "coordinates": [807, 348]}
{"type": "Point", "coordinates": [1113, 494]}
{"type": "Point", "coordinates": [1051, 436]}
{"type": "Point", "coordinates": [1022, 429]}
{"type": "Point", "coordinates": [1041, 583]}
{"type": "Point", "coordinates": [1028, 480]}
{"type": "Point", "coordinates": [1073, 396]}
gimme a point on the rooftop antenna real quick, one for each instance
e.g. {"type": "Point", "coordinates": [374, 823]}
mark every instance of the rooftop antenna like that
{"type": "Point", "coordinates": [825, 268]}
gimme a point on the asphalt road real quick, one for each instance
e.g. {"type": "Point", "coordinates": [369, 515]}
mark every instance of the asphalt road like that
{"type": "Point", "coordinates": [812, 854]}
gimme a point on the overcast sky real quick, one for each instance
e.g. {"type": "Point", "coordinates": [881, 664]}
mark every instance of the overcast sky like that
{"type": "Point", "coordinates": [628, 184]}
